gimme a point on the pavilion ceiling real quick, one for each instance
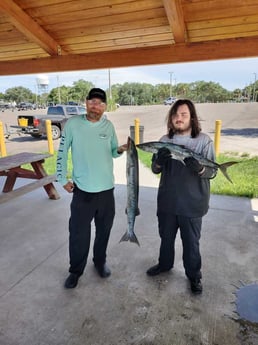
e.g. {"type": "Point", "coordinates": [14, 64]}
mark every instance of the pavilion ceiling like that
{"type": "Point", "coordinates": [39, 36]}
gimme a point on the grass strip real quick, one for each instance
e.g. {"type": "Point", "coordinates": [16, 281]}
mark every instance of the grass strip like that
{"type": "Point", "coordinates": [244, 175]}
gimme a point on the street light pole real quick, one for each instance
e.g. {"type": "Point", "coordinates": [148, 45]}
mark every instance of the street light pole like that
{"type": "Point", "coordinates": [254, 89]}
{"type": "Point", "coordinates": [170, 90]}
{"type": "Point", "coordinates": [58, 89]}
{"type": "Point", "coordinates": [109, 84]}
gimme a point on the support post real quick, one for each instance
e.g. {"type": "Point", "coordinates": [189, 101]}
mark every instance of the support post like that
{"type": "Point", "coordinates": [137, 131]}
{"type": "Point", "coordinates": [217, 137]}
{"type": "Point", "coordinates": [49, 137]}
{"type": "Point", "coordinates": [2, 142]}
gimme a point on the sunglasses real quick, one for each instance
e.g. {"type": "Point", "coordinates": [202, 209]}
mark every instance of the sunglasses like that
{"type": "Point", "coordinates": [97, 103]}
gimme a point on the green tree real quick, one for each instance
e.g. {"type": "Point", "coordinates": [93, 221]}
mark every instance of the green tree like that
{"type": "Point", "coordinates": [161, 92]}
{"type": "Point", "coordinates": [134, 93]}
{"type": "Point", "coordinates": [59, 95]}
{"type": "Point", "coordinates": [137, 93]}
{"type": "Point", "coordinates": [19, 94]}
{"type": "Point", "coordinates": [79, 90]}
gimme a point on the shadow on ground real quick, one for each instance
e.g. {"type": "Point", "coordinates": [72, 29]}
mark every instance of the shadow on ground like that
{"type": "Point", "coordinates": [244, 132]}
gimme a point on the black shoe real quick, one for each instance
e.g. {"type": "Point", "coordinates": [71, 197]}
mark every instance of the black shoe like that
{"type": "Point", "coordinates": [196, 286]}
{"type": "Point", "coordinates": [103, 270]}
{"type": "Point", "coordinates": [71, 281]}
{"type": "Point", "coordinates": [155, 270]}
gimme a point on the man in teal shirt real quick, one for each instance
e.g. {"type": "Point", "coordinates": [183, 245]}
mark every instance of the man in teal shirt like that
{"type": "Point", "coordinates": [93, 143]}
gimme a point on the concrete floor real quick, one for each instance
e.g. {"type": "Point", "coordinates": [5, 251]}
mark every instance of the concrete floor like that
{"type": "Point", "coordinates": [128, 307]}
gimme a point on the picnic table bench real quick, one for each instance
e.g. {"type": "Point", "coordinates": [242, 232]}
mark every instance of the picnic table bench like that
{"type": "Point", "coordinates": [10, 167]}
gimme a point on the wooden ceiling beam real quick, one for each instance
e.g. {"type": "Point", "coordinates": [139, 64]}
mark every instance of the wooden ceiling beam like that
{"type": "Point", "coordinates": [174, 12]}
{"type": "Point", "coordinates": [178, 53]}
{"type": "Point", "coordinates": [28, 27]}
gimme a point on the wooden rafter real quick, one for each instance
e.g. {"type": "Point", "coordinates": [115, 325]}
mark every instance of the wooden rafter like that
{"type": "Point", "coordinates": [226, 49]}
{"type": "Point", "coordinates": [28, 27]}
{"type": "Point", "coordinates": [175, 17]}
{"type": "Point", "coordinates": [114, 33]}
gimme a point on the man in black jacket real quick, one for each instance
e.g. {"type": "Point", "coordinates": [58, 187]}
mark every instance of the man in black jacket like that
{"type": "Point", "coordinates": [184, 192]}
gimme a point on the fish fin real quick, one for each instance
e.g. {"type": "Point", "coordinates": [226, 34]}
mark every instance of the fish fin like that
{"type": "Point", "coordinates": [132, 238]}
{"type": "Point", "coordinates": [223, 168]}
{"type": "Point", "coordinates": [181, 160]}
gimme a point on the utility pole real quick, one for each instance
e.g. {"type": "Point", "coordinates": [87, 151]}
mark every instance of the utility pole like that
{"type": "Point", "coordinates": [170, 90]}
{"type": "Point", "coordinates": [254, 89]}
{"type": "Point", "coordinates": [58, 89]}
{"type": "Point", "coordinates": [109, 84]}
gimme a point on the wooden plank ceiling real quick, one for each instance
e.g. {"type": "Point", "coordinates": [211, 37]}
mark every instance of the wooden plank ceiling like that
{"type": "Point", "coordinates": [64, 35]}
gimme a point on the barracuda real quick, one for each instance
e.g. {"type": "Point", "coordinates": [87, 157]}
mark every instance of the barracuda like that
{"type": "Point", "coordinates": [132, 175]}
{"type": "Point", "coordinates": [179, 153]}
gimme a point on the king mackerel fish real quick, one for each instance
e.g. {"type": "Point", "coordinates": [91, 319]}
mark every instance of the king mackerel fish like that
{"type": "Point", "coordinates": [132, 175]}
{"type": "Point", "coordinates": [179, 153]}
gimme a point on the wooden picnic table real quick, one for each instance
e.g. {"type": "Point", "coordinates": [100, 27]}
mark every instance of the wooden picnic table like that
{"type": "Point", "coordinates": [10, 167]}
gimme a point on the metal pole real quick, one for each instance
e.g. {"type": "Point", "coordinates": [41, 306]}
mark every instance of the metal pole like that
{"type": "Point", "coordinates": [109, 84]}
{"type": "Point", "coordinates": [254, 89]}
{"type": "Point", "coordinates": [217, 137]}
{"type": "Point", "coordinates": [137, 131]}
{"type": "Point", "coordinates": [2, 142]}
{"type": "Point", "coordinates": [58, 89]}
{"type": "Point", "coordinates": [49, 137]}
{"type": "Point", "coordinates": [170, 89]}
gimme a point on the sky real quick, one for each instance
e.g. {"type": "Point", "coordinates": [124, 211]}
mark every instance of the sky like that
{"type": "Point", "coordinates": [230, 74]}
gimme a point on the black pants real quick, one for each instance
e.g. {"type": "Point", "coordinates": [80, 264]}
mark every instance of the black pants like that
{"type": "Point", "coordinates": [190, 231]}
{"type": "Point", "coordinates": [84, 208]}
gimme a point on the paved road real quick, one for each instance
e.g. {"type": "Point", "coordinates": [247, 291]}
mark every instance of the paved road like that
{"type": "Point", "coordinates": [239, 125]}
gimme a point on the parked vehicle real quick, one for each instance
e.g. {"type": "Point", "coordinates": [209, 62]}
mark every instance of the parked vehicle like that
{"type": "Point", "coordinates": [35, 125]}
{"type": "Point", "coordinates": [25, 106]}
{"type": "Point", "coordinates": [169, 100]}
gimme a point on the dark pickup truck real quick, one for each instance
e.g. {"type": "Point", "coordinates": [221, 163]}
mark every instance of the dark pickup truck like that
{"type": "Point", "coordinates": [35, 125]}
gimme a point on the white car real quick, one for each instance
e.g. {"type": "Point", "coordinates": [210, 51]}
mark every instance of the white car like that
{"type": "Point", "coordinates": [170, 100]}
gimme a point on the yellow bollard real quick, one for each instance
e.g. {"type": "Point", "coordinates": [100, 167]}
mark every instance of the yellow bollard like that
{"type": "Point", "coordinates": [137, 131]}
{"type": "Point", "coordinates": [217, 136]}
{"type": "Point", "coordinates": [2, 142]}
{"type": "Point", "coordinates": [49, 137]}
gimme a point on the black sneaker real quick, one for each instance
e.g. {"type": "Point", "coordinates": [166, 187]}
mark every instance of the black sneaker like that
{"type": "Point", "coordinates": [103, 270]}
{"type": "Point", "coordinates": [196, 286]}
{"type": "Point", "coordinates": [155, 270]}
{"type": "Point", "coordinates": [72, 281]}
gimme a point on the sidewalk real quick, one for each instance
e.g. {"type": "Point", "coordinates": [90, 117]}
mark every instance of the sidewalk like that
{"type": "Point", "coordinates": [146, 177]}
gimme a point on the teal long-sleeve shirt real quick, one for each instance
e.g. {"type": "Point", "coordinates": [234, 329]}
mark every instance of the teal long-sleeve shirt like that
{"type": "Point", "coordinates": [93, 146]}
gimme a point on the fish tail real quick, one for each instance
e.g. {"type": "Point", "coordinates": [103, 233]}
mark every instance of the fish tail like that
{"type": "Point", "coordinates": [130, 237]}
{"type": "Point", "coordinates": [223, 168]}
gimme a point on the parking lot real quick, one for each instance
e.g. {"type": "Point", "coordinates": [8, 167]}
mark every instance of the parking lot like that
{"type": "Point", "coordinates": [239, 125]}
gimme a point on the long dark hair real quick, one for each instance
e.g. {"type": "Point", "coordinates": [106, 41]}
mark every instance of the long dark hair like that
{"type": "Point", "coordinates": [196, 127]}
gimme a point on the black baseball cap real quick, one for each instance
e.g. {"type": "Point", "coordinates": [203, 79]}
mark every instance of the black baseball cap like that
{"type": "Point", "coordinates": [97, 93]}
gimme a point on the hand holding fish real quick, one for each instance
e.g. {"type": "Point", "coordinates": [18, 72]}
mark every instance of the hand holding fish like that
{"type": "Point", "coordinates": [194, 165]}
{"type": "Point", "coordinates": [162, 156]}
{"type": "Point", "coordinates": [122, 148]}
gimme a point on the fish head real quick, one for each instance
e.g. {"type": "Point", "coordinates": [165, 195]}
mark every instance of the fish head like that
{"type": "Point", "coordinates": [152, 146]}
